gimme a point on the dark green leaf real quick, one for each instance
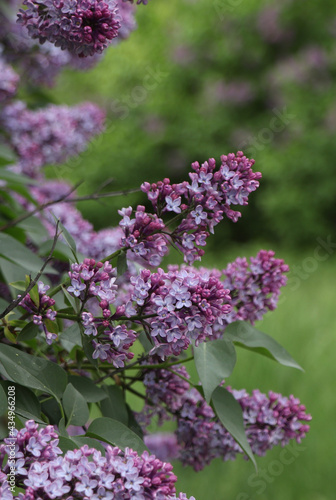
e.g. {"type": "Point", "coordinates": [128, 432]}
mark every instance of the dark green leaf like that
{"type": "Point", "coordinates": [71, 337]}
{"type": "Point", "coordinates": [35, 230]}
{"type": "Point", "coordinates": [145, 342]}
{"type": "Point", "coordinates": [115, 433]}
{"type": "Point", "coordinates": [88, 349]}
{"type": "Point", "coordinates": [89, 390]}
{"type": "Point", "coordinates": [245, 335]}
{"type": "Point", "coordinates": [230, 414]}
{"type": "Point", "coordinates": [28, 332]}
{"type": "Point", "coordinates": [12, 250]}
{"type": "Point", "coordinates": [114, 405]}
{"type": "Point", "coordinates": [214, 362]}
{"type": "Point", "coordinates": [75, 406]}
{"type": "Point", "coordinates": [133, 424]}
{"type": "Point", "coordinates": [51, 409]}
{"type": "Point", "coordinates": [3, 402]}
{"type": "Point", "coordinates": [31, 371]}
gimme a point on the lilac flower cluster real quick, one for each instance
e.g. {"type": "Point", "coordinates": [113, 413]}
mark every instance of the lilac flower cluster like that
{"type": "Point", "coordinates": [202, 203]}
{"type": "Point", "coordinates": [269, 420]}
{"type": "Point", "coordinates": [42, 310]}
{"type": "Point", "coordinates": [91, 279]}
{"type": "Point", "coordinates": [8, 83]}
{"type": "Point", "coordinates": [126, 18]}
{"type": "Point", "coordinates": [255, 286]}
{"type": "Point", "coordinates": [83, 27]}
{"type": "Point", "coordinates": [85, 473]}
{"type": "Point", "coordinates": [180, 306]}
{"type": "Point", "coordinates": [49, 135]}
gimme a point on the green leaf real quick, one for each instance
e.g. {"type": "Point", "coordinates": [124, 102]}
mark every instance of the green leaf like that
{"type": "Point", "coordinates": [121, 263]}
{"type": "Point", "coordinates": [12, 250]}
{"type": "Point", "coordinates": [214, 360]}
{"type": "Point", "coordinates": [36, 231]}
{"type": "Point", "coordinates": [51, 409]}
{"type": "Point", "coordinates": [145, 342]}
{"type": "Point", "coordinates": [89, 390]}
{"type": "Point", "coordinates": [34, 295]}
{"type": "Point", "coordinates": [6, 155]}
{"type": "Point", "coordinates": [74, 302]}
{"type": "Point", "coordinates": [230, 414]}
{"type": "Point", "coordinates": [31, 371]}
{"type": "Point", "coordinates": [28, 332]}
{"type": "Point", "coordinates": [245, 335]}
{"type": "Point", "coordinates": [115, 433]}
{"type": "Point", "coordinates": [3, 402]}
{"type": "Point", "coordinates": [71, 337]}
{"type": "Point", "coordinates": [133, 423]}
{"type": "Point", "coordinates": [18, 285]}
{"type": "Point", "coordinates": [114, 405]}
{"type": "Point", "coordinates": [75, 406]}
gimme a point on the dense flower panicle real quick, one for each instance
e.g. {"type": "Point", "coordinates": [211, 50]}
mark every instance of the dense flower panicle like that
{"type": "Point", "coordinates": [83, 27]}
{"type": "Point", "coordinates": [85, 473]}
{"type": "Point", "coordinates": [42, 310]}
{"type": "Point", "coordinates": [254, 286]}
{"type": "Point", "coordinates": [202, 202]}
{"type": "Point", "coordinates": [8, 83]}
{"type": "Point", "coordinates": [268, 420]}
{"type": "Point", "coordinates": [49, 135]}
{"type": "Point", "coordinates": [180, 305]}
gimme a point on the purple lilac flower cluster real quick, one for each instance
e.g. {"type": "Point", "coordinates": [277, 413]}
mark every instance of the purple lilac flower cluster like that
{"type": "Point", "coordinates": [49, 135]}
{"type": "Point", "coordinates": [8, 83]}
{"type": "Point", "coordinates": [91, 279]}
{"type": "Point", "coordinates": [41, 308]}
{"type": "Point", "coordinates": [255, 286]}
{"type": "Point", "coordinates": [269, 420]}
{"type": "Point", "coordinates": [84, 473]}
{"type": "Point", "coordinates": [202, 203]}
{"type": "Point", "coordinates": [83, 27]}
{"type": "Point", "coordinates": [185, 305]}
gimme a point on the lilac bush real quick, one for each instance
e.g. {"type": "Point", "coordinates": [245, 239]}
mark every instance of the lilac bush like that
{"type": "Point", "coordinates": [89, 315]}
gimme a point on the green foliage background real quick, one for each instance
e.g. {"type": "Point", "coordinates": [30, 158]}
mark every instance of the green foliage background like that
{"type": "Point", "coordinates": [200, 48]}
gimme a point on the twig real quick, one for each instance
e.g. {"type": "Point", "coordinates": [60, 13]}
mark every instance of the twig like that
{"type": "Point", "coordinates": [65, 199]}
{"type": "Point", "coordinates": [16, 302]}
{"type": "Point", "coordinates": [39, 208]}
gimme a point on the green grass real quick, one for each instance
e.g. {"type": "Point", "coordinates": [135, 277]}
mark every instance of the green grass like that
{"type": "Point", "coordinates": [304, 323]}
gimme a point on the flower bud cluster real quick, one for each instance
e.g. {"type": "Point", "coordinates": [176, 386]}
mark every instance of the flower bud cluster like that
{"type": "Point", "coordinates": [202, 203]}
{"type": "Point", "coordinates": [83, 27]}
{"type": "Point", "coordinates": [85, 472]}
{"type": "Point", "coordinates": [49, 135]}
{"type": "Point", "coordinates": [41, 309]}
